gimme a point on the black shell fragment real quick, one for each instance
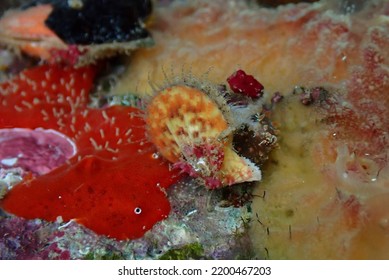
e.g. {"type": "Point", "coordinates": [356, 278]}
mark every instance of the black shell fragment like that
{"type": "Point", "coordinates": [99, 21]}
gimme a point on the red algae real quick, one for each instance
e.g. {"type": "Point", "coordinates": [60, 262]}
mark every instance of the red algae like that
{"type": "Point", "coordinates": [113, 184]}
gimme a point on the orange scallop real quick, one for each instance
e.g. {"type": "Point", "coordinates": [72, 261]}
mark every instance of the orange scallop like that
{"type": "Point", "coordinates": [190, 130]}
{"type": "Point", "coordinates": [181, 116]}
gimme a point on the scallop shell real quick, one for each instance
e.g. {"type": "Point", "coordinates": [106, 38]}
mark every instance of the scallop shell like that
{"type": "Point", "coordinates": [190, 130]}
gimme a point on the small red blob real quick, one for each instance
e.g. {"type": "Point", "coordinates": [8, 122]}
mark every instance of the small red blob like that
{"type": "Point", "coordinates": [245, 84]}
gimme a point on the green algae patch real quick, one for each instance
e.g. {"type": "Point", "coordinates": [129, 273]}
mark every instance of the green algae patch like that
{"type": "Point", "coordinates": [193, 251]}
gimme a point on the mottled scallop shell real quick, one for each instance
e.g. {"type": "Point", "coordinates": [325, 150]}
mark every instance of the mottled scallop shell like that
{"type": "Point", "coordinates": [181, 116]}
{"type": "Point", "coordinates": [190, 130]}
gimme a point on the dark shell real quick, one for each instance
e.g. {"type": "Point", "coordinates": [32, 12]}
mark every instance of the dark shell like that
{"type": "Point", "coordinates": [97, 21]}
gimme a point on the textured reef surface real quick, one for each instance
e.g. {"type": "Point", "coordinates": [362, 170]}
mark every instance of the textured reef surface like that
{"type": "Point", "coordinates": [243, 132]}
{"type": "Point", "coordinates": [323, 191]}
